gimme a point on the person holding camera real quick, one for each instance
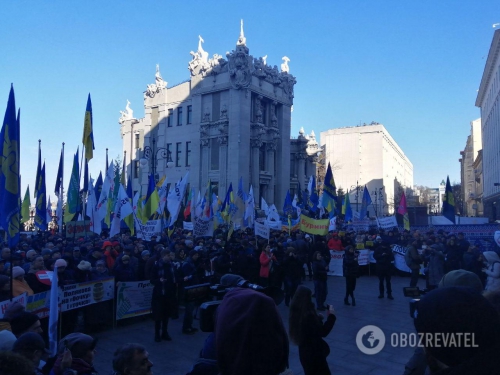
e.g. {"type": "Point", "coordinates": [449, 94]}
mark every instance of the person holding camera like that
{"type": "Point", "coordinates": [350, 267]}
{"type": "Point", "coordinates": [307, 330]}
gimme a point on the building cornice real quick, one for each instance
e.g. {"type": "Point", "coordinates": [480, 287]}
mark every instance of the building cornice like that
{"type": "Point", "coordinates": [489, 67]}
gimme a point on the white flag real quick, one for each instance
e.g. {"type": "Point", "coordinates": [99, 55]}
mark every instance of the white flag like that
{"type": "Point", "coordinates": [162, 194]}
{"type": "Point", "coordinates": [108, 186]}
{"type": "Point", "coordinates": [310, 186]}
{"type": "Point", "coordinates": [273, 214]}
{"type": "Point", "coordinates": [53, 314]}
{"type": "Point", "coordinates": [174, 198]}
{"type": "Point", "coordinates": [198, 210]}
{"type": "Point", "coordinates": [123, 208]}
{"type": "Point", "coordinates": [294, 202]}
{"type": "Point", "coordinates": [95, 223]}
{"type": "Point", "coordinates": [250, 207]}
{"type": "Point", "coordinates": [264, 206]}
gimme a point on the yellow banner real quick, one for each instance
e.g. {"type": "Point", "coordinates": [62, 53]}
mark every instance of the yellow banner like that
{"type": "Point", "coordinates": [312, 226]}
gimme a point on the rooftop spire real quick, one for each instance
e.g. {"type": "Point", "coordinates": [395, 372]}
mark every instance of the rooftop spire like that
{"type": "Point", "coordinates": [242, 41]}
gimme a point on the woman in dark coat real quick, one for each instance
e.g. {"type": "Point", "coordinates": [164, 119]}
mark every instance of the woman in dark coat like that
{"type": "Point", "coordinates": [320, 270]}
{"type": "Point", "coordinates": [350, 268]}
{"type": "Point", "coordinates": [163, 302]}
{"type": "Point", "coordinates": [307, 329]}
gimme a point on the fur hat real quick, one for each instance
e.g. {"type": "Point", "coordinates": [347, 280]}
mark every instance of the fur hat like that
{"type": "Point", "coordinates": [84, 266]}
{"type": "Point", "coordinates": [17, 271]}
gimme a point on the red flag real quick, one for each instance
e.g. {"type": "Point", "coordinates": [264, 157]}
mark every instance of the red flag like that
{"type": "Point", "coordinates": [402, 205]}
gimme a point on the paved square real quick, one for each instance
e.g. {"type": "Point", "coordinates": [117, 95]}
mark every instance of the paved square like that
{"type": "Point", "coordinates": [177, 356]}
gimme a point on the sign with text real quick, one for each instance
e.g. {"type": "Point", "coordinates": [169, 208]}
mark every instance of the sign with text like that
{"type": "Point", "coordinates": [187, 225]}
{"type": "Point", "coordinates": [133, 299]}
{"type": "Point", "coordinates": [22, 299]}
{"type": "Point", "coordinates": [145, 231]}
{"type": "Point", "coordinates": [261, 230]}
{"type": "Point", "coordinates": [203, 227]}
{"type": "Point", "coordinates": [78, 229]}
{"type": "Point", "coordinates": [313, 226]}
{"type": "Point", "coordinates": [77, 295]}
{"type": "Point", "coordinates": [336, 263]}
{"type": "Point", "coordinates": [39, 304]}
{"type": "Point", "coordinates": [388, 222]}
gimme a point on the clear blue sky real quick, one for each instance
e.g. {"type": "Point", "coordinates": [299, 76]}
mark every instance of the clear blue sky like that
{"type": "Point", "coordinates": [414, 66]}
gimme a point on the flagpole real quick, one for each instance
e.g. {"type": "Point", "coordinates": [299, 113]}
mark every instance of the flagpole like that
{"type": "Point", "coordinates": [61, 188]}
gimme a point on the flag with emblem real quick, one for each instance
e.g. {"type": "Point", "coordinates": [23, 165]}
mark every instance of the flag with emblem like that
{"type": "Point", "coordinates": [449, 202]}
{"type": "Point", "coordinates": [88, 132]}
{"type": "Point", "coordinates": [123, 208]}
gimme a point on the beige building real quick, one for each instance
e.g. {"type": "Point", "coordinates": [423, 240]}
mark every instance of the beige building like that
{"type": "Point", "coordinates": [471, 192]}
{"type": "Point", "coordinates": [488, 99]}
{"type": "Point", "coordinates": [231, 118]}
{"type": "Point", "coordinates": [368, 155]}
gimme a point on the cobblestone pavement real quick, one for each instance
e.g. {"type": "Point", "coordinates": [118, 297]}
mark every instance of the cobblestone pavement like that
{"type": "Point", "coordinates": [177, 356]}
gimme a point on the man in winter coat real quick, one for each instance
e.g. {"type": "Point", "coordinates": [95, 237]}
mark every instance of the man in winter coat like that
{"type": "Point", "coordinates": [385, 259]}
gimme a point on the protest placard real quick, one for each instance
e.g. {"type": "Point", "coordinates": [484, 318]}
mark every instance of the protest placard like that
{"type": "Point", "coordinates": [312, 226]}
{"type": "Point", "coordinates": [261, 230]}
{"type": "Point", "coordinates": [83, 294]}
{"type": "Point", "coordinates": [388, 222]}
{"type": "Point", "coordinates": [203, 227]}
{"type": "Point", "coordinates": [22, 299]}
{"type": "Point", "coordinates": [133, 299]}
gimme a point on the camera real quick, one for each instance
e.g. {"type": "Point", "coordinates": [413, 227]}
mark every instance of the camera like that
{"type": "Point", "coordinates": [218, 291]}
{"type": "Point", "coordinates": [414, 293]}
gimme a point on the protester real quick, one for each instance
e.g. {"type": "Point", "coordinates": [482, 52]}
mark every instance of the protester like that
{"type": "Point", "coordinates": [434, 260]}
{"type": "Point", "coordinates": [25, 322]}
{"type": "Point", "coordinates": [385, 258]}
{"type": "Point", "coordinates": [413, 262]}
{"type": "Point", "coordinates": [15, 364]}
{"type": "Point", "coordinates": [250, 337]}
{"type": "Point", "coordinates": [19, 285]}
{"type": "Point", "coordinates": [292, 269]}
{"type": "Point", "coordinates": [163, 301]}
{"type": "Point", "coordinates": [76, 352]}
{"type": "Point", "coordinates": [307, 330]}
{"type": "Point", "coordinates": [320, 275]}
{"type": "Point", "coordinates": [266, 260]}
{"type": "Point", "coordinates": [132, 359]}
{"type": "Point", "coordinates": [31, 346]}
{"type": "Point", "coordinates": [4, 288]}
{"type": "Point", "coordinates": [190, 277]}
{"type": "Point", "coordinates": [492, 270]}
{"type": "Point", "coordinates": [350, 269]}
{"type": "Point", "coordinates": [7, 340]}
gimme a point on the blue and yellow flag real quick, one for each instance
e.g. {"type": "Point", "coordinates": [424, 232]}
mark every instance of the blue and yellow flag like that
{"type": "Point", "coordinates": [367, 200]}
{"type": "Point", "coordinates": [287, 206]}
{"type": "Point", "coordinates": [10, 198]}
{"type": "Point", "coordinates": [129, 220]}
{"type": "Point", "coordinates": [449, 202]}
{"type": "Point", "coordinates": [346, 208]}
{"type": "Point", "coordinates": [88, 132]}
{"type": "Point", "coordinates": [41, 203]}
{"type": "Point", "coordinates": [152, 200]}
{"type": "Point", "coordinates": [38, 168]}
{"type": "Point", "coordinates": [329, 192]}
{"type": "Point", "coordinates": [73, 195]}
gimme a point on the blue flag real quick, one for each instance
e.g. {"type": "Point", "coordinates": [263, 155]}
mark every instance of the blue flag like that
{"type": "Point", "coordinates": [449, 202]}
{"type": "Point", "coordinates": [287, 206]}
{"type": "Point", "coordinates": [10, 198]}
{"type": "Point", "coordinates": [367, 200]}
{"type": "Point", "coordinates": [329, 193]}
{"type": "Point", "coordinates": [98, 187]}
{"type": "Point", "coordinates": [41, 203]}
{"type": "Point", "coordinates": [59, 178]}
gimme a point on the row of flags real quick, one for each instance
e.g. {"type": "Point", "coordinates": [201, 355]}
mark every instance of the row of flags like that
{"type": "Point", "coordinates": [98, 199]}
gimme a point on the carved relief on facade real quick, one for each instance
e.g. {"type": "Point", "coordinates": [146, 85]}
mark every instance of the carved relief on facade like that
{"type": "Point", "coordinates": [128, 114]}
{"type": "Point", "coordinates": [287, 84]}
{"type": "Point", "coordinates": [199, 64]}
{"type": "Point", "coordinates": [222, 140]}
{"type": "Point", "coordinates": [240, 67]}
{"type": "Point", "coordinates": [223, 112]}
{"type": "Point", "coordinates": [272, 145]}
{"type": "Point", "coordinates": [256, 142]}
{"type": "Point", "coordinates": [258, 109]}
{"type": "Point", "coordinates": [204, 142]}
{"type": "Point", "coordinates": [274, 119]}
{"type": "Point", "coordinates": [204, 130]}
{"type": "Point", "coordinates": [158, 86]}
{"type": "Point", "coordinates": [300, 156]}
{"type": "Point", "coordinates": [206, 115]}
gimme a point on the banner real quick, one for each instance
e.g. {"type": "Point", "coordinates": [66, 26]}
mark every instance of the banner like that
{"type": "Point", "coordinates": [387, 222]}
{"type": "Point", "coordinates": [262, 230]}
{"type": "Point", "coordinates": [399, 259]}
{"type": "Point", "coordinates": [145, 231]}
{"type": "Point", "coordinates": [336, 263]}
{"type": "Point", "coordinates": [22, 299]}
{"type": "Point", "coordinates": [333, 225]}
{"type": "Point", "coordinates": [203, 228]}
{"type": "Point", "coordinates": [187, 225]}
{"type": "Point", "coordinates": [362, 225]}
{"type": "Point", "coordinates": [39, 304]}
{"type": "Point", "coordinates": [75, 296]}
{"type": "Point", "coordinates": [133, 299]}
{"type": "Point", "coordinates": [273, 224]}
{"type": "Point", "coordinates": [364, 257]}
{"type": "Point", "coordinates": [78, 228]}
{"type": "Point", "coordinates": [312, 226]}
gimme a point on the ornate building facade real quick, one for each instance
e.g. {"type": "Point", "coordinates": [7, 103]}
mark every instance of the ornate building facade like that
{"type": "Point", "coordinates": [231, 118]}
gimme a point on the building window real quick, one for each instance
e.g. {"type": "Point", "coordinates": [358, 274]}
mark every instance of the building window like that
{"type": "Point", "coordinates": [170, 116]}
{"type": "Point", "coordinates": [188, 153]}
{"type": "Point", "coordinates": [137, 139]}
{"type": "Point", "coordinates": [179, 116]}
{"type": "Point", "coordinates": [136, 168]}
{"type": "Point", "coordinates": [190, 114]}
{"type": "Point", "coordinates": [178, 152]}
{"type": "Point", "coordinates": [169, 151]}
{"type": "Point", "coordinates": [214, 154]}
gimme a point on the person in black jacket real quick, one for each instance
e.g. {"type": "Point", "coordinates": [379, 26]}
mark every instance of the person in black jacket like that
{"type": "Point", "coordinates": [190, 277]}
{"type": "Point", "coordinates": [306, 329]}
{"type": "Point", "coordinates": [350, 268]}
{"type": "Point", "coordinates": [385, 258]}
{"type": "Point", "coordinates": [163, 301]}
{"type": "Point", "coordinates": [292, 270]}
{"type": "Point", "coordinates": [320, 270]}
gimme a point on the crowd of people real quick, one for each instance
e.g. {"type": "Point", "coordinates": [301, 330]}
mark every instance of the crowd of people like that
{"type": "Point", "coordinates": [181, 261]}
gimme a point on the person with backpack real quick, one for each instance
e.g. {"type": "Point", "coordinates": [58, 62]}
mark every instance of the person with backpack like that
{"type": "Point", "coordinates": [413, 261]}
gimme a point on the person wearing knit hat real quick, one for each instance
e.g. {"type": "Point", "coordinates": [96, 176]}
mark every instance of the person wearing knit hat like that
{"type": "Point", "coordinates": [60, 263]}
{"type": "Point", "coordinates": [19, 285]}
{"type": "Point", "coordinates": [82, 349]}
{"type": "Point", "coordinates": [84, 266]}
{"type": "Point", "coordinates": [7, 340]}
{"type": "Point", "coordinates": [25, 322]}
{"type": "Point", "coordinates": [461, 278]}
{"type": "Point", "coordinates": [454, 311]}
{"type": "Point", "coordinates": [250, 337]}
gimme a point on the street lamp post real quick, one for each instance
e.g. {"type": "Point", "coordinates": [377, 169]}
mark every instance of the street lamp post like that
{"type": "Point", "coordinates": [381, 199]}
{"type": "Point", "coordinates": [153, 154]}
{"type": "Point", "coordinates": [357, 187]}
{"type": "Point", "coordinates": [376, 202]}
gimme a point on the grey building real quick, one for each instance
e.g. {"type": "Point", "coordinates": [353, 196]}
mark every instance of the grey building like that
{"type": "Point", "coordinates": [231, 118]}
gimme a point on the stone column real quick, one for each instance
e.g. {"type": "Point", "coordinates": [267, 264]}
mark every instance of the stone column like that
{"type": "Point", "coordinates": [205, 159]}
{"type": "Point", "coordinates": [270, 149]}
{"type": "Point", "coordinates": [300, 173]}
{"type": "Point", "coordinates": [255, 178]}
{"type": "Point", "coordinates": [223, 183]}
